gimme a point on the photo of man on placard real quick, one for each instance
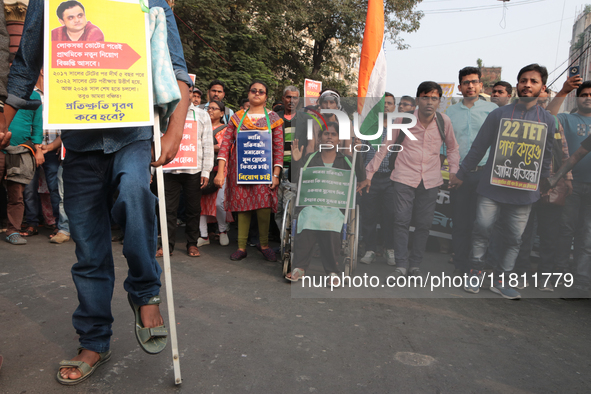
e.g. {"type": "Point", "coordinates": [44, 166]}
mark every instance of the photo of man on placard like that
{"type": "Point", "coordinates": [75, 27]}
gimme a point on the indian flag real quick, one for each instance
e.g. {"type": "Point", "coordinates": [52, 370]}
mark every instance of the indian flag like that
{"type": "Point", "coordinates": [372, 70]}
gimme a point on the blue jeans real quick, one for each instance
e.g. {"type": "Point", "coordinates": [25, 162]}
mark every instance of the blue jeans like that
{"type": "Point", "coordinates": [90, 181]}
{"type": "Point", "coordinates": [32, 203]}
{"type": "Point", "coordinates": [463, 202]}
{"type": "Point", "coordinates": [576, 222]}
{"type": "Point", "coordinates": [513, 219]}
{"type": "Point", "coordinates": [63, 224]}
{"type": "Point", "coordinates": [542, 221]}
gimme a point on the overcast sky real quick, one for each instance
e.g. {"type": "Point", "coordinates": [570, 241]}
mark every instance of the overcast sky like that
{"type": "Point", "coordinates": [532, 33]}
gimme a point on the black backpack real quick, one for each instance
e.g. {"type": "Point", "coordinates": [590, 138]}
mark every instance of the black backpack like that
{"type": "Point", "coordinates": [402, 135]}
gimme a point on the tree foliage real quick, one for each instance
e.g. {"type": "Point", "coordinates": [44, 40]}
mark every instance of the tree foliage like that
{"type": "Point", "coordinates": [281, 43]}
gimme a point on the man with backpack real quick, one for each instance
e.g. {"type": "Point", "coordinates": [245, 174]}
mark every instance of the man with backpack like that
{"type": "Point", "coordinates": [467, 116]}
{"type": "Point", "coordinates": [417, 176]}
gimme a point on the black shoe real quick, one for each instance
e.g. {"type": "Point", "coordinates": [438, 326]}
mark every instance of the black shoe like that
{"type": "Point", "coordinates": [415, 272]}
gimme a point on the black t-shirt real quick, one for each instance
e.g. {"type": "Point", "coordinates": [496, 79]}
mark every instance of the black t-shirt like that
{"type": "Point", "coordinates": [587, 143]}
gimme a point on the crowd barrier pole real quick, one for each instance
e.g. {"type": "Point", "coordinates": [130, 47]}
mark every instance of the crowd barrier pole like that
{"type": "Point", "coordinates": [166, 256]}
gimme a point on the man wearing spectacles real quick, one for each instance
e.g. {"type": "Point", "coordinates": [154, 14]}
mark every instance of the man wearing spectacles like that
{"type": "Point", "coordinates": [416, 177]}
{"type": "Point", "coordinates": [467, 117]}
{"type": "Point", "coordinates": [407, 104]}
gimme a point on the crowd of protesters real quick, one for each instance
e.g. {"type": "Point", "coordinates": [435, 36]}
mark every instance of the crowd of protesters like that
{"type": "Point", "coordinates": [493, 227]}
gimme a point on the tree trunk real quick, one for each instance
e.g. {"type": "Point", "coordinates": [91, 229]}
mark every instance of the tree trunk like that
{"type": "Point", "coordinates": [317, 57]}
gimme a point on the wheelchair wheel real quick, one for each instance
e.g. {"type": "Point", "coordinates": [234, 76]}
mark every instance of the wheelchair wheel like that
{"type": "Point", "coordinates": [286, 236]}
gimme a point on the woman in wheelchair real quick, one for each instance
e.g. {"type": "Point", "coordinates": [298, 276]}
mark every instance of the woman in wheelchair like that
{"type": "Point", "coordinates": [316, 224]}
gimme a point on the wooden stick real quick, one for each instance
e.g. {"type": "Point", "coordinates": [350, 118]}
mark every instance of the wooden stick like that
{"type": "Point", "coordinates": [166, 254]}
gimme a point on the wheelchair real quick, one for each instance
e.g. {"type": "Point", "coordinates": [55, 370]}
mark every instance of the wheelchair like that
{"type": "Point", "coordinates": [349, 243]}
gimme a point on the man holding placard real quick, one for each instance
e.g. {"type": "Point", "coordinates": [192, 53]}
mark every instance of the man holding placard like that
{"type": "Point", "coordinates": [189, 172]}
{"type": "Point", "coordinates": [103, 159]}
{"type": "Point", "coordinates": [520, 136]}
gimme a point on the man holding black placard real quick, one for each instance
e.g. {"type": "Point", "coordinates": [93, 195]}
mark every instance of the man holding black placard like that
{"type": "Point", "coordinates": [521, 137]}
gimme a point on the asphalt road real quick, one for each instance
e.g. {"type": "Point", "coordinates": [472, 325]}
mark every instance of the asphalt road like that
{"type": "Point", "coordinates": [242, 331]}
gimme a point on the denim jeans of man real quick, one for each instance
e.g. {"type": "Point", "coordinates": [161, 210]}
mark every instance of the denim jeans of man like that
{"type": "Point", "coordinates": [463, 203]}
{"type": "Point", "coordinates": [416, 204]}
{"type": "Point", "coordinates": [575, 222]}
{"type": "Point", "coordinates": [377, 206]}
{"type": "Point", "coordinates": [32, 202]}
{"type": "Point", "coordinates": [90, 182]}
{"type": "Point", "coordinates": [62, 224]}
{"type": "Point", "coordinates": [544, 220]}
{"type": "Point", "coordinates": [513, 221]}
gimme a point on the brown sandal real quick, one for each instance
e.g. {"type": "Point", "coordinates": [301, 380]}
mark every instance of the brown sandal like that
{"type": "Point", "coordinates": [29, 231]}
{"type": "Point", "coordinates": [160, 252]}
{"type": "Point", "coordinates": [193, 251]}
{"type": "Point", "coordinates": [54, 233]}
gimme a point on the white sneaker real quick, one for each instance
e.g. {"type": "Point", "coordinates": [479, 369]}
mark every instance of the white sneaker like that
{"type": "Point", "coordinates": [224, 240]}
{"type": "Point", "coordinates": [202, 241]}
{"type": "Point", "coordinates": [369, 257]}
{"type": "Point", "coordinates": [390, 257]}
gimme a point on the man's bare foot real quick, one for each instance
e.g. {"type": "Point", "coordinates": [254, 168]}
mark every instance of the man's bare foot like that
{"type": "Point", "coordinates": [151, 316]}
{"type": "Point", "coordinates": [88, 356]}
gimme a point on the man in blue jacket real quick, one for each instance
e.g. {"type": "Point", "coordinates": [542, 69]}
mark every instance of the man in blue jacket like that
{"type": "Point", "coordinates": [495, 201]}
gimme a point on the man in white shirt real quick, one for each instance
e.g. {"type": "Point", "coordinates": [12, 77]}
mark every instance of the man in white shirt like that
{"type": "Point", "coordinates": [191, 181]}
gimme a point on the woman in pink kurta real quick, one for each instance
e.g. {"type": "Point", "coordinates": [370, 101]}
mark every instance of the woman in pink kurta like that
{"type": "Point", "coordinates": [261, 198]}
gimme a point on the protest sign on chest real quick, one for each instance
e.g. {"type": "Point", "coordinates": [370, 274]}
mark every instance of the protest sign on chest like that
{"type": "Point", "coordinates": [188, 154]}
{"type": "Point", "coordinates": [254, 154]}
{"type": "Point", "coordinates": [518, 154]}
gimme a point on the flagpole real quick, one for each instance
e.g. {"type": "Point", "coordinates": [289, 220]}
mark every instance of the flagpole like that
{"type": "Point", "coordinates": [166, 254]}
{"type": "Point", "coordinates": [351, 176]}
